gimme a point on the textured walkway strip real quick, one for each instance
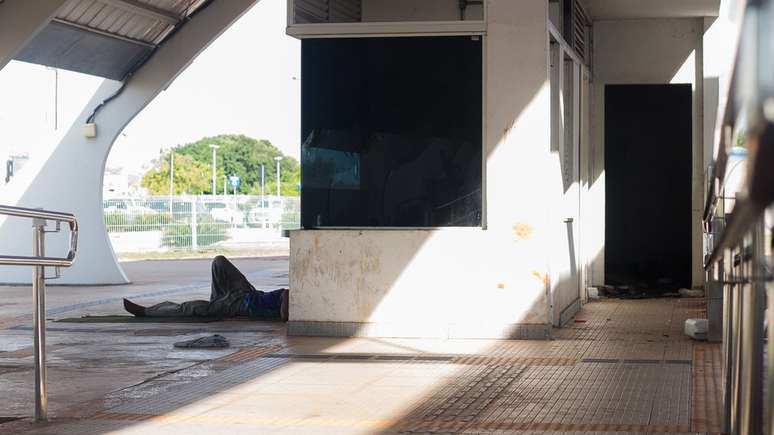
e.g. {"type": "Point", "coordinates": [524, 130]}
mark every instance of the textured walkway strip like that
{"type": "Point", "coordinates": [550, 426]}
{"type": "Point", "coordinates": [707, 375]}
{"type": "Point", "coordinates": [248, 354]}
{"type": "Point", "coordinates": [402, 426]}
{"type": "Point", "coordinates": [452, 359]}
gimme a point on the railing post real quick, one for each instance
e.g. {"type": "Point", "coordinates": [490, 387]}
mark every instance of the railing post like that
{"type": "Point", "coordinates": [737, 298]}
{"type": "Point", "coordinates": [769, 417]}
{"type": "Point", "coordinates": [39, 320]}
{"type": "Point", "coordinates": [728, 338]}
{"type": "Point", "coordinates": [752, 337]}
{"type": "Point", "coordinates": [194, 229]}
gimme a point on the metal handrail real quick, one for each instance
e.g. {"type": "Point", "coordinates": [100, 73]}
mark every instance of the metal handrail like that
{"type": "Point", "coordinates": [56, 216]}
{"type": "Point", "coordinates": [749, 91]}
{"type": "Point", "coordinates": [39, 262]}
{"type": "Point", "coordinates": [737, 255]}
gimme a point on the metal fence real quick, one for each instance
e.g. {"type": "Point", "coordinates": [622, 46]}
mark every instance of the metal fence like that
{"type": "Point", "coordinates": [195, 223]}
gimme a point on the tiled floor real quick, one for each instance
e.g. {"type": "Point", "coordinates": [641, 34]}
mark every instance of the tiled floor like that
{"type": "Point", "coordinates": [622, 367]}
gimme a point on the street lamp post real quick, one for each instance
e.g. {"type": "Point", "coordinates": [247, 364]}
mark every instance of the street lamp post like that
{"type": "Point", "coordinates": [263, 182]}
{"type": "Point", "coordinates": [214, 167]}
{"type": "Point", "coordinates": [278, 158]}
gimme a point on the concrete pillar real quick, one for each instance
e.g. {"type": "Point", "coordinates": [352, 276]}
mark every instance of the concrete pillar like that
{"type": "Point", "coordinates": [455, 282]}
{"type": "Point", "coordinates": [697, 164]}
{"type": "Point", "coordinates": [71, 178]}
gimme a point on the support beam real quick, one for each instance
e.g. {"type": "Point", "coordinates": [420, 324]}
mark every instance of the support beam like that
{"type": "Point", "coordinates": [145, 10]}
{"type": "Point", "coordinates": [103, 33]}
{"type": "Point", "coordinates": [70, 178]}
{"type": "Point", "coordinates": [20, 21]}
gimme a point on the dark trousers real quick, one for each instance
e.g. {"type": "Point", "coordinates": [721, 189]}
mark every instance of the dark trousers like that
{"type": "Point", "coordinates": [228, 298]}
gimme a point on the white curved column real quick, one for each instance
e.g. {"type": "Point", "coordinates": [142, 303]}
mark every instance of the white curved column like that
{"type": "Point", "coordinates": [70, 179]}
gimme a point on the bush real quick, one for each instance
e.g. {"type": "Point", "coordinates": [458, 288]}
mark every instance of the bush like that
{"type": "Point", "coordinates": [178, 235]}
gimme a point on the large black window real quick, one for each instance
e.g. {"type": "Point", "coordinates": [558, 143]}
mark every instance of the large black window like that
{"type": "Point", "coordinates": [391, 132]}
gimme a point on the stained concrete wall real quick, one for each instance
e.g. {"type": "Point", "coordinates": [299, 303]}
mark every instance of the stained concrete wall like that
{"type": "Point", "coordinates": [464, 282]}
{"type": "Point", "coordinates": [647, 51]}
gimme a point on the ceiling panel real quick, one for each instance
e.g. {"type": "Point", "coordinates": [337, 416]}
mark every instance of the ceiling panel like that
{"type": "Point", "coordinates": [66, 47]}
{"type": "Point", "coordinates": [106, 38]}
{"type": "Point", "coordinates": [633, 9]}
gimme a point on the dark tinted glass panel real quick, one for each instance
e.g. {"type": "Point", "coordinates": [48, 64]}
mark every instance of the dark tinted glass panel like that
{"type": "Point", "coordinates": [391, 132]}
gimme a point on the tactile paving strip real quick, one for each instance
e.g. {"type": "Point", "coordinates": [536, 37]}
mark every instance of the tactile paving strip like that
{"type": "Point", "coordinates": [707, 388]}
{"type": "Point", "coordinates": [453, 359]}
{"type": "Point", "coordinates": [651, 398]}
{"type": "Point", "coordinates": [248, 354]}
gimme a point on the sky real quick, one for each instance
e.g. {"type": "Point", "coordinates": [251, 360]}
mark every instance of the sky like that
{"type": "Point", "coordinates": [245, 82]}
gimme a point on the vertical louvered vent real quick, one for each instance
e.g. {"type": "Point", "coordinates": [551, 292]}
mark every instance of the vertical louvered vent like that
{"type": "Point", "coordinates": [579, 37]}
{"type": "Point", "coordinates": [327, 11]}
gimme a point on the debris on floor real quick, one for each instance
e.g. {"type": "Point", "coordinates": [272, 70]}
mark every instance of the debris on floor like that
{"type": "Point", "coordinates": [696, 328]}
{"type": "Point", "coordinates": [691, 293]}
{"type": "Point", "coordinates": [216, 341]}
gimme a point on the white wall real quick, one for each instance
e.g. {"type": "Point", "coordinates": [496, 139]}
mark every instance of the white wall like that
{"type": "Point", "coordinates": [646, 51]}
{"type": "Point", "coordinates": [455, 282]}
{"type": "Point", "coordinates": [413, 10]}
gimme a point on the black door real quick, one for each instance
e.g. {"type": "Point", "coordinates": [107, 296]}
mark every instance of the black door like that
{"type": "Point", "coordinates": [648, 186]}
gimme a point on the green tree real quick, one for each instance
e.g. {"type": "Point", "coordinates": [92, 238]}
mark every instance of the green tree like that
{"type": "Point", "coordinates": [242, 156]}
{"type": "Point", "coordinates": [191, 176]}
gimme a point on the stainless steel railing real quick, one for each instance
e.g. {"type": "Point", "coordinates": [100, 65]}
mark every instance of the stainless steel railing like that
{"type": "Point", "coordinates": [737, 257]}
{"type": "Point", "coordinates": [39, 262]}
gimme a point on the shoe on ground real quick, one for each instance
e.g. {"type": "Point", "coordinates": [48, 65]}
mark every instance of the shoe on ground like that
{"type": "Point", "coordinates": [136, 310]}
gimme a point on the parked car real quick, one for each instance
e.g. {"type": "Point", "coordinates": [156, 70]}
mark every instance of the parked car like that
{"type": "Point", "coordinates": [266, 214]}
{"type": "Point", "coordinates": [126, 206]}
{"type": "Point", "coordinates": [224, 213]}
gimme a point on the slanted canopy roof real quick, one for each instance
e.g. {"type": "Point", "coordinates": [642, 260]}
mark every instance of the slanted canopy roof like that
{"type": "Point", "coordinates": [106, 38]}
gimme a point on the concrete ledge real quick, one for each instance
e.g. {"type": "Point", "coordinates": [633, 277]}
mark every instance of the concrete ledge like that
{"type": "Point", "coordinates": [569, 312]}
{"type": "Point", "coordinates": [413, 330]}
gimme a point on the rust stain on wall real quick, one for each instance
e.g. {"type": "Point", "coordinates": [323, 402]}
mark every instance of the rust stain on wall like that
{"type": "Point", "coordinates": [542, 277]}
{"type": "Point", "coordinates": [522, 231]}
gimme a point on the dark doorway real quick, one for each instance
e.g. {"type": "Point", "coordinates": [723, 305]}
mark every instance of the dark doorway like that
{"type": "Point", "coordinates": [648, 186]}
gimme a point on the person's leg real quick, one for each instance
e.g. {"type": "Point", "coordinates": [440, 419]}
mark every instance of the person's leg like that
{"type": "Point", "coordinates": [227, 279]}
{"type": "Point", "coordinates": [172, 309]}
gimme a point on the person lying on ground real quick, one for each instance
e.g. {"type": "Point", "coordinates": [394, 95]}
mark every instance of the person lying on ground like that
{"type": "Point", "coordinates": [232, 296]}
